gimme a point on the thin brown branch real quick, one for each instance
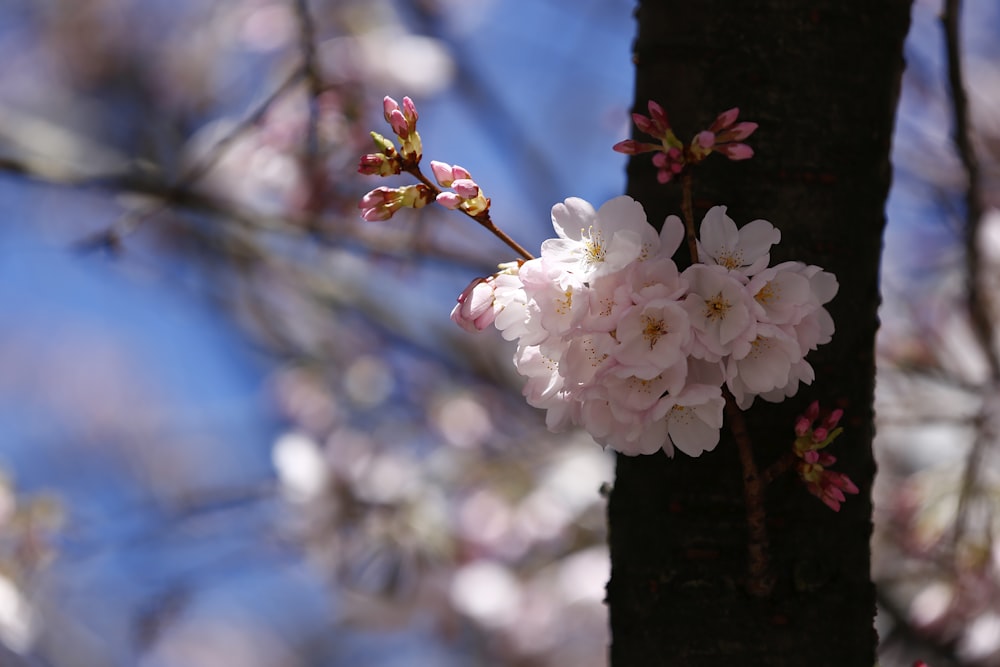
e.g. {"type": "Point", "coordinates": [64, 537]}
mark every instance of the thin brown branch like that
{"type": "Point", "coordinates": [760, 581]}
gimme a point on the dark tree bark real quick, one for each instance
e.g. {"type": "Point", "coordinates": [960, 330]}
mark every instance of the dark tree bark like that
{"type": "Point", "coordinates": [822, 80]}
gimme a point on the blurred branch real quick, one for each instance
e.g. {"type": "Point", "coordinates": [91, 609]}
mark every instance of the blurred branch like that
{"type": "Point", "coordinates": [978, 305]}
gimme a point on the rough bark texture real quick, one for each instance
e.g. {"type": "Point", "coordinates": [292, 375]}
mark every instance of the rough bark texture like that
{"type": "Point", "coordinates": [822, 79]}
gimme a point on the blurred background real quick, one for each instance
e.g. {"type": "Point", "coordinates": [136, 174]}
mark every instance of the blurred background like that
{"type": "Point", "coordinates": [236, 423]}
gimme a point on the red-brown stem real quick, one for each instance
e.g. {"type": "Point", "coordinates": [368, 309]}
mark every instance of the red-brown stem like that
{"type": "Point", "coordinates": [687, 208]}
{"type": "Point", "coordinates": [760, 581]}
{"type": "Point", "coordinates": [482, 218]}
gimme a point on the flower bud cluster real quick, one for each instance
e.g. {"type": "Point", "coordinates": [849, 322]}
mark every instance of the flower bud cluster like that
{"type": "Point", "coordinates": [389, 161]}
{"type": "Point", "coordinates": [613, 337]}
{"type": "Point", "coordinates": [466, 196]}
{"type": "Point", "coordinates": [811, 436]}
{"type": "Point", "coordinates": [724, 136]}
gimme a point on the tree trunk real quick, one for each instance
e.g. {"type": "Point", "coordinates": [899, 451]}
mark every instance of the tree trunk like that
{"type": "Point", "coordinates": [822, 80]}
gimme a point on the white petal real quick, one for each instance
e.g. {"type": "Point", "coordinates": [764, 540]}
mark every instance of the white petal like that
{"type": "Point", "coordinates": [571, 217]}
{"type": "Point", "coordinates": [718, 231]}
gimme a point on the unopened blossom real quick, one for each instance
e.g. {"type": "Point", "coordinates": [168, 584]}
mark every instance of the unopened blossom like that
{"type": "Point", "coordinates": [724, 136]}
{"type": "Point", "coordinates": [474, 310]}
{"type": "Point", "coordinates": [446, 174]}
{"type": "Point", "coordinates": [745, 250]}
{"type": "Point", "coordinates": [381, 203]}
{"type": "Point", "coordinates": [812, 436]}
{"type": "Point", "coordinates": [385, 162]}
{"type": "Point", "coordinates": [403, 121]}
{"type": "Point", "coordinates": [466, 194]}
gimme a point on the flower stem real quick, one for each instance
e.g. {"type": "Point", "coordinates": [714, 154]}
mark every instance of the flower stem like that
{"type": "Point", "coordinates": [760, 581]}
{"type": "Point", "coordinates": [687, 208]}
{"type": "Point", "coordinates": [482, 218]}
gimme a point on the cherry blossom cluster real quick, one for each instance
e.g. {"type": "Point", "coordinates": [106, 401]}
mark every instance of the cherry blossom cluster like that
{"type": "Point", "coordinates": [614, 338]}
{"type": "Point", "coordinates": [813, 434]}
{"type": "Point", "coordinates": [723, 136]}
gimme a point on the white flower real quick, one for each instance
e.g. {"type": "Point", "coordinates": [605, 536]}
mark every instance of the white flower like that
{"type": "Point", "coordinates": [719, 309]}
{"type": "Point", "coordinates": [652, 337]}
{"type": "Point", "coordinates": [593, 243]}
{"type": "Point", "coordinates": [693, 418]}
{"type": "Point", "coordinates": [745, 251]}
{"type": "Point", "coordinates": [766, 366]}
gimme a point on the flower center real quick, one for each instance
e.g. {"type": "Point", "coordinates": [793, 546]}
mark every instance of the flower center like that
{"type": "Point", "coordinates": [717, 307]}
{"type": "Point", "coordinates": [730, 260]}
{"type": "Point", "coordinates": [652, 330]}
{"type": "Point", "coordinates": [594, 247]}
{"type": "Point", "coordinates": [767, 294]}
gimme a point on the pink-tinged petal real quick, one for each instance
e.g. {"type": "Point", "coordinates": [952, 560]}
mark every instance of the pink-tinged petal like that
{"type": "Point", "coordinates": [718, 233]}
{"type": "Point", "coordinates": [572, 217]}
{"type": "Point", "coordinates": [756, 238]}
{"type": "Point", "coordinates": [442, 173]}
{"type": "Point", "coordinates": [663, 176]}
{"type": "Point", "coordinates": [671, 236]}
{"type": "Point", "coordinates": [460, 172]}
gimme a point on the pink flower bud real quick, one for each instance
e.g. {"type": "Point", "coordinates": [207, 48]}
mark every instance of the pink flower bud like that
{"type": "Point", "coordinates": [812, 412]}
{"type": "Point", "coordinates": [705, 139]}
{"type": "Point", "coordinates": [388, 106]}
{"type": "Point", "coordinates": [735, 151]}
{"type": "Point", "coordinates": [632, 147]}
{"type": "Point", "coordinates": [644, 124]}
{"type": "Point", "coordinates": [659, 117]}
{"type": "Point", "coordinates": [725, 119]}
{"type": "Point", "coordinates": [442, 173]}
{"type": "Point", "coordinates": [802, 426]}
{"type": "Point", "coordinates": [833, 418]}
{"type": "Point", "coordinates": [819, 434]}
{"type": "Point", "coordinates": [449, 200]}
{"type": "Point", "coordinates": [399, 124]}
{"type": "Point", "coordinates": [460, 172]}
{"type": "Point", "coordinates": [466, 188]}
{"type": "Point", "coordinates": [474, 311]}
{"type": "Point", "coordinates": [380, 204]}
{"type": "Point", "coordinates": [739, 132]}
{"type": "Point", "coordinates": [410, 112]}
